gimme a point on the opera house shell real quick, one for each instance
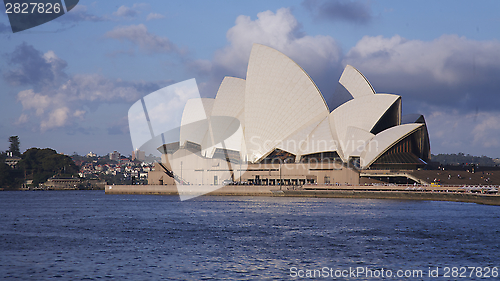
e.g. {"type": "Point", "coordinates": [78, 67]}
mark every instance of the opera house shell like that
{"type": "Point", "coordinates": [278, 115]}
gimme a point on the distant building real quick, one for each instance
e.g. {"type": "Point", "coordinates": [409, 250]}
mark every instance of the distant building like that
{"type": "Point", "coordinates": [115, 156]}
{"type": "Point", "coordinates": [91, 154]}
{"type": "Point", "coordinates": [124, 160]}
{"type": "Point", "coordinates": [62, 183]}
{"type": "Point", "coordinates": [12, 160]}
{"type": "Point", "coordinates": [139, 155]}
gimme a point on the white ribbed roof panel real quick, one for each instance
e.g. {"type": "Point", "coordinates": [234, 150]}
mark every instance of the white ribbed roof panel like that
{"type": "Point", "coordinates": [355, 82]}
{"type": "Point", "coordinates": [294, 142]}
{"type": "Point", "coordinates": [230, 97]}
{"type": "Point", "coordinates": [279, 98]}
{"type": "Point", "coordinates": [225, 132]}
{"type": "Point", "coordinates": [383, 141]}
{"type": "Point", "coordinates": [335, 136]}
{"type": "Point", "coordinates": [229, 102]}
{"type": "Point", "coordinates": [320, 139]}
{"type": "Point", "coordinates": [194, 111]}
{"type": "Point", "coordinates": [363, 113]}
{"type": "Point", "coordinates": [354, 142]}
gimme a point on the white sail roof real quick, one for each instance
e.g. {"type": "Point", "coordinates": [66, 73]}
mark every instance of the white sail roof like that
{"type": "Point", "coordinates": [230, 99]}
{"type": "Point", "coordinates": [355, 82]}
{"type": "Point", "coordinates": [279, 97]}
{"type": "Point", "coordinates": [354, 142]}
{"type": "Point", "coordinates": [320, 139]}
{"type": "Point", "coordinates": [363, 113]}
{"type": "Point", "coordinates": [279, 106]}
{"type": "Point", "coordinates": [383, 141]}
{"type": "Point", "coordinates": [229, 102]}
{"type": "Point", "coordinates": [194, 122]}
{"type": "Point", "coordinates": [294, 142]}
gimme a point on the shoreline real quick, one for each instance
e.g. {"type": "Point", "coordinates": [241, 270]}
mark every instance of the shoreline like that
{"type": "Point", "coordinates": [361, 192]}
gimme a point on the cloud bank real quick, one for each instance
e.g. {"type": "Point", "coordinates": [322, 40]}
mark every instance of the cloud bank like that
{"type": "Point", "coordinates": [139, 35]}
{"type": "Point", "coordinates": [318, 55]}
{"type": "Point", "coordinates": [449, 71]}
{"type": "Point", "coordinates": [58, 99]}
{"type": "Point", "coordinates": [339, 10]}
{"type": "Point", "coordinates": [130, 12]}
{"type": "Point", "coordinates": [34, 68]}
{"type": "Point", "coordinates": [154, 16]}
{"type": "Point", "coordinates": [453, 80]}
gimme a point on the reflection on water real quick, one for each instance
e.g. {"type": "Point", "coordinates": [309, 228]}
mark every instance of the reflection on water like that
{"type": "Point", "coordinates": [89, 235]}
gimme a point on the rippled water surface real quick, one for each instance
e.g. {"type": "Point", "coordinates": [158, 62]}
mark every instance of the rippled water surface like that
{"type": "Point", "coordinates": [87, 235]}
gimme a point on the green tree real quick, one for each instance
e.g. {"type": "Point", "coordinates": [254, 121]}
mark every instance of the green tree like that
{"type": "Point", "coordinates": [41, 164]}
{"type": "Point", "coordinates": [461, 158]}
{"type": "Point", "coordinates": [14, 146]}
{"type": "Point", "coordinates": [9, 178]}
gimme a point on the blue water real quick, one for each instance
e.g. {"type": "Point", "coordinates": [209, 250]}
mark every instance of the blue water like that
{"type": "Point", "coordinates": [87, 235]}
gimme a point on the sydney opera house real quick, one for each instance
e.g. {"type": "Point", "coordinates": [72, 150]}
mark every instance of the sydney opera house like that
{"type": "Point", "coordinates": [275, 127]}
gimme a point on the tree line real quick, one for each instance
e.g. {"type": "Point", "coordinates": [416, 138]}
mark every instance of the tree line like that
{"type": "Point", "coordinates": [34, 164]}
{"type": "Point", "coordinates": [461, 158]}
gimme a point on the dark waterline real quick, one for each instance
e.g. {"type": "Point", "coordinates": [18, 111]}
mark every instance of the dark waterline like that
{"type": "Point", "coordinates": [87, 235]}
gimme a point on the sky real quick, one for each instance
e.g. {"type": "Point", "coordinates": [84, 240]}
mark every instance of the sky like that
{"type": "Point", "coordinates": [68, 84]}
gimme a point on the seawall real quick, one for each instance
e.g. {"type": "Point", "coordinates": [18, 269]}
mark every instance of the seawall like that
{"type": "Point", "coordinates": [319, 192]}
{"type": "Point", "coordinates": [228, 190]}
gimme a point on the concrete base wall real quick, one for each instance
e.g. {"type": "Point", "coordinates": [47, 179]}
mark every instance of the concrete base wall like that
{"type": "Point", "coordinates": [241, 190]}
{"type": "Point", "coordinates": [141, 189]}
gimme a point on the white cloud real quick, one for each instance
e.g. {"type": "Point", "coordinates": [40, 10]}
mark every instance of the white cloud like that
{"type": "Point", "coordinates": [486, 132]}
{"type": "Point", "coordinates": [22, 119]}
{"type": "Point", "coordinates": [154, 16]}
{"type": "Point", "coordinates": [138, 34]}
{"type": "Point", "coordinates": [280, 30]}
{"type": "Point", "coordinates": [452, 131]}
{"type": "Point", "coordinates": [452, 80]}
{"type": "Point", "coordinates": [93, 87]}
{"type": "Point", "coordinates": [448, 61]}
{"type": "Point", "coordinates": [62, 106]}
{"type": "Point", "coordinates": [59, 100]}
{"type": "Point", "coordinates": [79, 114]}
{"type": "Point", "coordinates": [31, 100]}
{"type": "Point", "coordinates": [131, 12]}
{"type": "Point", "coordinates": [57, 118]}
{"type": "Point", "coordinates": [450, 72]}
{"type": "Point", "coordinates": [437, 58]}
{"type": "Point", "coordinates": [124, 11]}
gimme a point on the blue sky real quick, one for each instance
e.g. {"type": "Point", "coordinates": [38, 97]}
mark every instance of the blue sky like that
{"type": "Point", "coordinates": [68, 84]}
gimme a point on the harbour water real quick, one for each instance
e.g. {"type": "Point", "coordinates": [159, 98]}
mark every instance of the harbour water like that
{"type": "Point", "coordinates": [87, 235]}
